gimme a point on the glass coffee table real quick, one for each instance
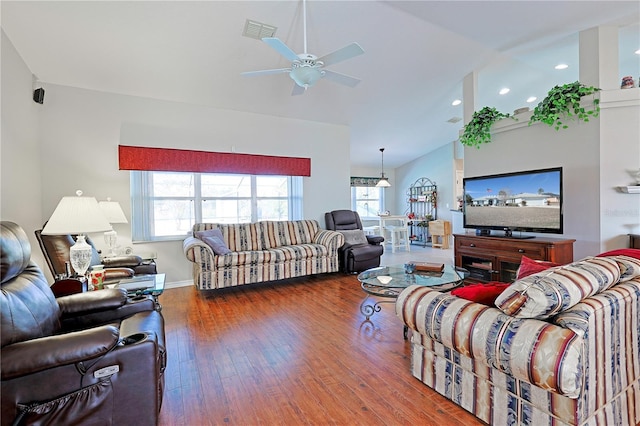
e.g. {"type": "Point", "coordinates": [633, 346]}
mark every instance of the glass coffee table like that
{"type": "Point", "coordinates": [389, 281]}
{"type": "Point", "coordinates": [138, 285]}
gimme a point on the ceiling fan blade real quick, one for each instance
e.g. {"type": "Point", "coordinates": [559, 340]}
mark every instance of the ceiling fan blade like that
{"type": "Point", "coordinates": [297, 90]}
{"type": "Point", "coordinates": [343, 54]}
{"type": "Point", "coordinates": [265, 72]}
{"type": "Point", "coordinates": [281, 48]}
{"type": "Point", "coordinates": [343, 79]}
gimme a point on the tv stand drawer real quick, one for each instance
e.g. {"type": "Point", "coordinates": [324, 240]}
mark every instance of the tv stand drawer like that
{"type": "Point", "coordinates": [507, 247]}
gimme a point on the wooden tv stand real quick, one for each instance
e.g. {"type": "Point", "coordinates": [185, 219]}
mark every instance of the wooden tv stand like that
{"type": "Point", "coordinates": [498, 258]}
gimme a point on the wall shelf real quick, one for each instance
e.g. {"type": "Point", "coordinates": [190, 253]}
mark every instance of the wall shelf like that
{"type": "Point", "coordinates": [635, 189]}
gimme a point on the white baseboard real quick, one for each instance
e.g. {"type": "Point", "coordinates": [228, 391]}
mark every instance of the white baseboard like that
{"type": "Point", "coordinates": [177, 284]}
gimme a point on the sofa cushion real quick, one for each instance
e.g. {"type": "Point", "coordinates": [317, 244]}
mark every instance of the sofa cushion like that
{"type": "Point", "coordinates": [287, 233]}
{"type": "Point", "coordinates": [237, 236]}
{"type": "Point", "coordinates": [217, 245]}
{"type": "Point", "coordinates": [245, 258]}
{"type": "Point", "coordinates": [215, 232]}
{"type": "Point", "coordinates": [628, 261]}
{"type": "Point", "coordinates": [213, 238]}
{"type": "Point", "coordinates": [481, 293]}
{"type": "Point", "coordinates": [635, 253]}
{"type": "Point", "coordinates": [550, 292]}
{"type": "Point", "coordinates": [299, 252]}
{"type": "Point", "coordinates": [354, 237]}
{"type": "Point", "coordinates": [530, 266]}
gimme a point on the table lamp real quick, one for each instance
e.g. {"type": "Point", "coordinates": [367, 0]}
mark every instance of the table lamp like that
{"type": "Point", "coordinates": [114, 214]}
{"type": "Point", "coordinates": [77, 215]}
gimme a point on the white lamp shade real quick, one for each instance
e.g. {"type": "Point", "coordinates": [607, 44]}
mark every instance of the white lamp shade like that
{"type": "Point", "coordinates": [383, 183]}
{"type": "Point", "coordinates": [76, 215]}
{"type": "Point", "coordinates": [112, 211]}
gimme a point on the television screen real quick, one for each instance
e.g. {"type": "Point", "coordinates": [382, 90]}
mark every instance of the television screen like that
{"type": "Point", "coordinates": [529, 201]}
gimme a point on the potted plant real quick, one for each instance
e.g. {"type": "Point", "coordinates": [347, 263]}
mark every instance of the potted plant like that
{"type": "Point", "coordinates": [564, 102]}
{"type": "Point", "coordinates": [478, 130]}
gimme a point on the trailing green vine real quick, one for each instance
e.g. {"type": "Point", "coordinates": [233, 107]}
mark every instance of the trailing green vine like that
{"type": "Point", "coordinates": [564, 102]}
{"type": "Point", "coordinates": [478, 130]}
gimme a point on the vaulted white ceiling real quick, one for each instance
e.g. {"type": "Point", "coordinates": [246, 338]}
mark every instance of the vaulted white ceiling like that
{"type": "Point", "coordinates": [416, 55]}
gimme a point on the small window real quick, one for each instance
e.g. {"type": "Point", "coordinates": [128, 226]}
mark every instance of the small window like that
{"type": "Point", "coordinates": [368, 201]}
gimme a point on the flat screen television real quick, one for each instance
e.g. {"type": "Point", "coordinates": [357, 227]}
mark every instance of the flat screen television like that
{"type": "Point", "coordinates": [526, 201]}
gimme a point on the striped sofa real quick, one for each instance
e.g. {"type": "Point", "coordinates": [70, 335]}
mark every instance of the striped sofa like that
{"type": "Point", "coordinates": [572, 361]}
{"type": "Point", "coordinates": [262, 251]}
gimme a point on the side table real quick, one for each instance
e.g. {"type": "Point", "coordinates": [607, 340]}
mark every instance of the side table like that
{"type": "Point", "coordinates": [67, 286]}
{"type": "Point", "coordinates": [140, 285]}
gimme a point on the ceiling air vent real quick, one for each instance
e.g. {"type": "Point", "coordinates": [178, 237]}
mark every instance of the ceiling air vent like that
{"type": "Point", "coordinates": [454, 120]}
{"type": "Point", "coordinates": [258, 30]}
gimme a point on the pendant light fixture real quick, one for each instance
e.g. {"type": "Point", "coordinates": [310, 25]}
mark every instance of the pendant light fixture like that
{"type": "Point", "coordinates": [383, 182]}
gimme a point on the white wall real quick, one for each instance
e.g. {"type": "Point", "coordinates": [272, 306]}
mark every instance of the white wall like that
{"type": "Point", "coordinates": [593, 155]}
{"type": "Point", "coordinates": [619, 154]}
{"type": "Point", "coordinates": [81, 129]}
{"type": "Point", "coordinates": [70, 143]}
{"type": "Point", "coordinates": [20, 191]}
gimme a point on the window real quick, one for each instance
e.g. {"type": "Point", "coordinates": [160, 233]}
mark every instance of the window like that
{"type": "Point", "coordinates": [368, 201]}
{"type": "Point", "coordinates": [165, 205]}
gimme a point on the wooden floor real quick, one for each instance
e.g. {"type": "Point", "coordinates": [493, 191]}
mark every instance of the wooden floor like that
{"type": "Point", "coordinates": [296, 352]}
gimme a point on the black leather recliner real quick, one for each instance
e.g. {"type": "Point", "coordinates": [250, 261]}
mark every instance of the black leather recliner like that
{"type": "Point", "coordinates": [89, 358]}
{"type": "Point", "coordinates": [355, 257]}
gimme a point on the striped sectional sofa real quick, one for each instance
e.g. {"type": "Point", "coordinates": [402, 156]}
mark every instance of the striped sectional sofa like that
{"type": "Point", "coordinates": [560, 347]}
{"type": "Point", "coordinates": [262, 251]}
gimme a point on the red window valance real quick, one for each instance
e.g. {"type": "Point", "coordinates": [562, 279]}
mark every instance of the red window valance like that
{"type": "Point", "coordinates": [183, 160]}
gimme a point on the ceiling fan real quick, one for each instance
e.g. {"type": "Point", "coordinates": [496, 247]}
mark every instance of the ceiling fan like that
{"type": "Point", "coordinates": [306, 69]}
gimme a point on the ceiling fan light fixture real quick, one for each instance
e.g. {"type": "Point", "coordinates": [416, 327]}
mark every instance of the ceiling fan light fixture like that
{"type": "Point", "coordinates": [306, 76]}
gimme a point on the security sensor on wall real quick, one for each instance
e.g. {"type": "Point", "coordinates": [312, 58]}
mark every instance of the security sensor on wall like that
{"type": "Point", "coordinates": [38, 95]}
{"type": "Point", "coordinates": [38, 91]}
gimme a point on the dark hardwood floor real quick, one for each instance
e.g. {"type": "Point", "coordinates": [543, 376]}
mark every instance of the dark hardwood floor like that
{"type": "Point", "coordinates": [296, 352]}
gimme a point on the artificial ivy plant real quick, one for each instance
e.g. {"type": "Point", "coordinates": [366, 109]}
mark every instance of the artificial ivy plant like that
{"type": "Point", "coordinates": [478, 130]}
{"type": "Point", "coordinates": [564, 102]}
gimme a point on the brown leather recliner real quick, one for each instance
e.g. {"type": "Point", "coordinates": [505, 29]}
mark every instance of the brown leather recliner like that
{"type": "Point", "coordinates": [355, 257]}
{"type": "Point", "coordinates": [89, 358]}
{"type": "Point", "coordinates": [56, 251]}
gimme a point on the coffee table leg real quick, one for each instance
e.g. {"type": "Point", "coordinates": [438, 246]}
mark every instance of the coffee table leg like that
{"type": "Point", "coordinates": [369, 309]}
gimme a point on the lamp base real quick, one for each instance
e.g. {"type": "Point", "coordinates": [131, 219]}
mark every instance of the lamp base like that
{"type": "Point", "coordinates": [80, 255]}
{"type": "Point", "coordinates": [111, 240]}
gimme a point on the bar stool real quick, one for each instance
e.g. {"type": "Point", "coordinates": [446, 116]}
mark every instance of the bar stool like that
{"type": "Point", "coordinates": [399, 237]}
{"type": "Point", "coordinates": [398, 231]}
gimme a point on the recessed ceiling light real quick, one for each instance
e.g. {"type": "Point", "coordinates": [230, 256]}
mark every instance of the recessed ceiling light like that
{"type": "Point", "coordinates": [456, 102]}
{"type": "Point", "coordinates": [638, 52]}
{"type": "Point", "coordinates": [531, 99]}
{"type": "Point", "coordinates": [561, 66]}
{"type": "Point", "coordinates": [504, 91]}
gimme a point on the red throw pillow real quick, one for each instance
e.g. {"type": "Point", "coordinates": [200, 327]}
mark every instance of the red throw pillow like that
{"type": "Point", "coordinates": [481, 293]}
{"type": "Point", "coordinates": [529, 267]}
{"type": "Point", "coordinates": [635, 253]}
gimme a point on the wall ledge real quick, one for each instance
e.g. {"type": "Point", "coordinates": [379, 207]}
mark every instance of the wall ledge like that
{"type": "Point", "coordinates": [619, 98]}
